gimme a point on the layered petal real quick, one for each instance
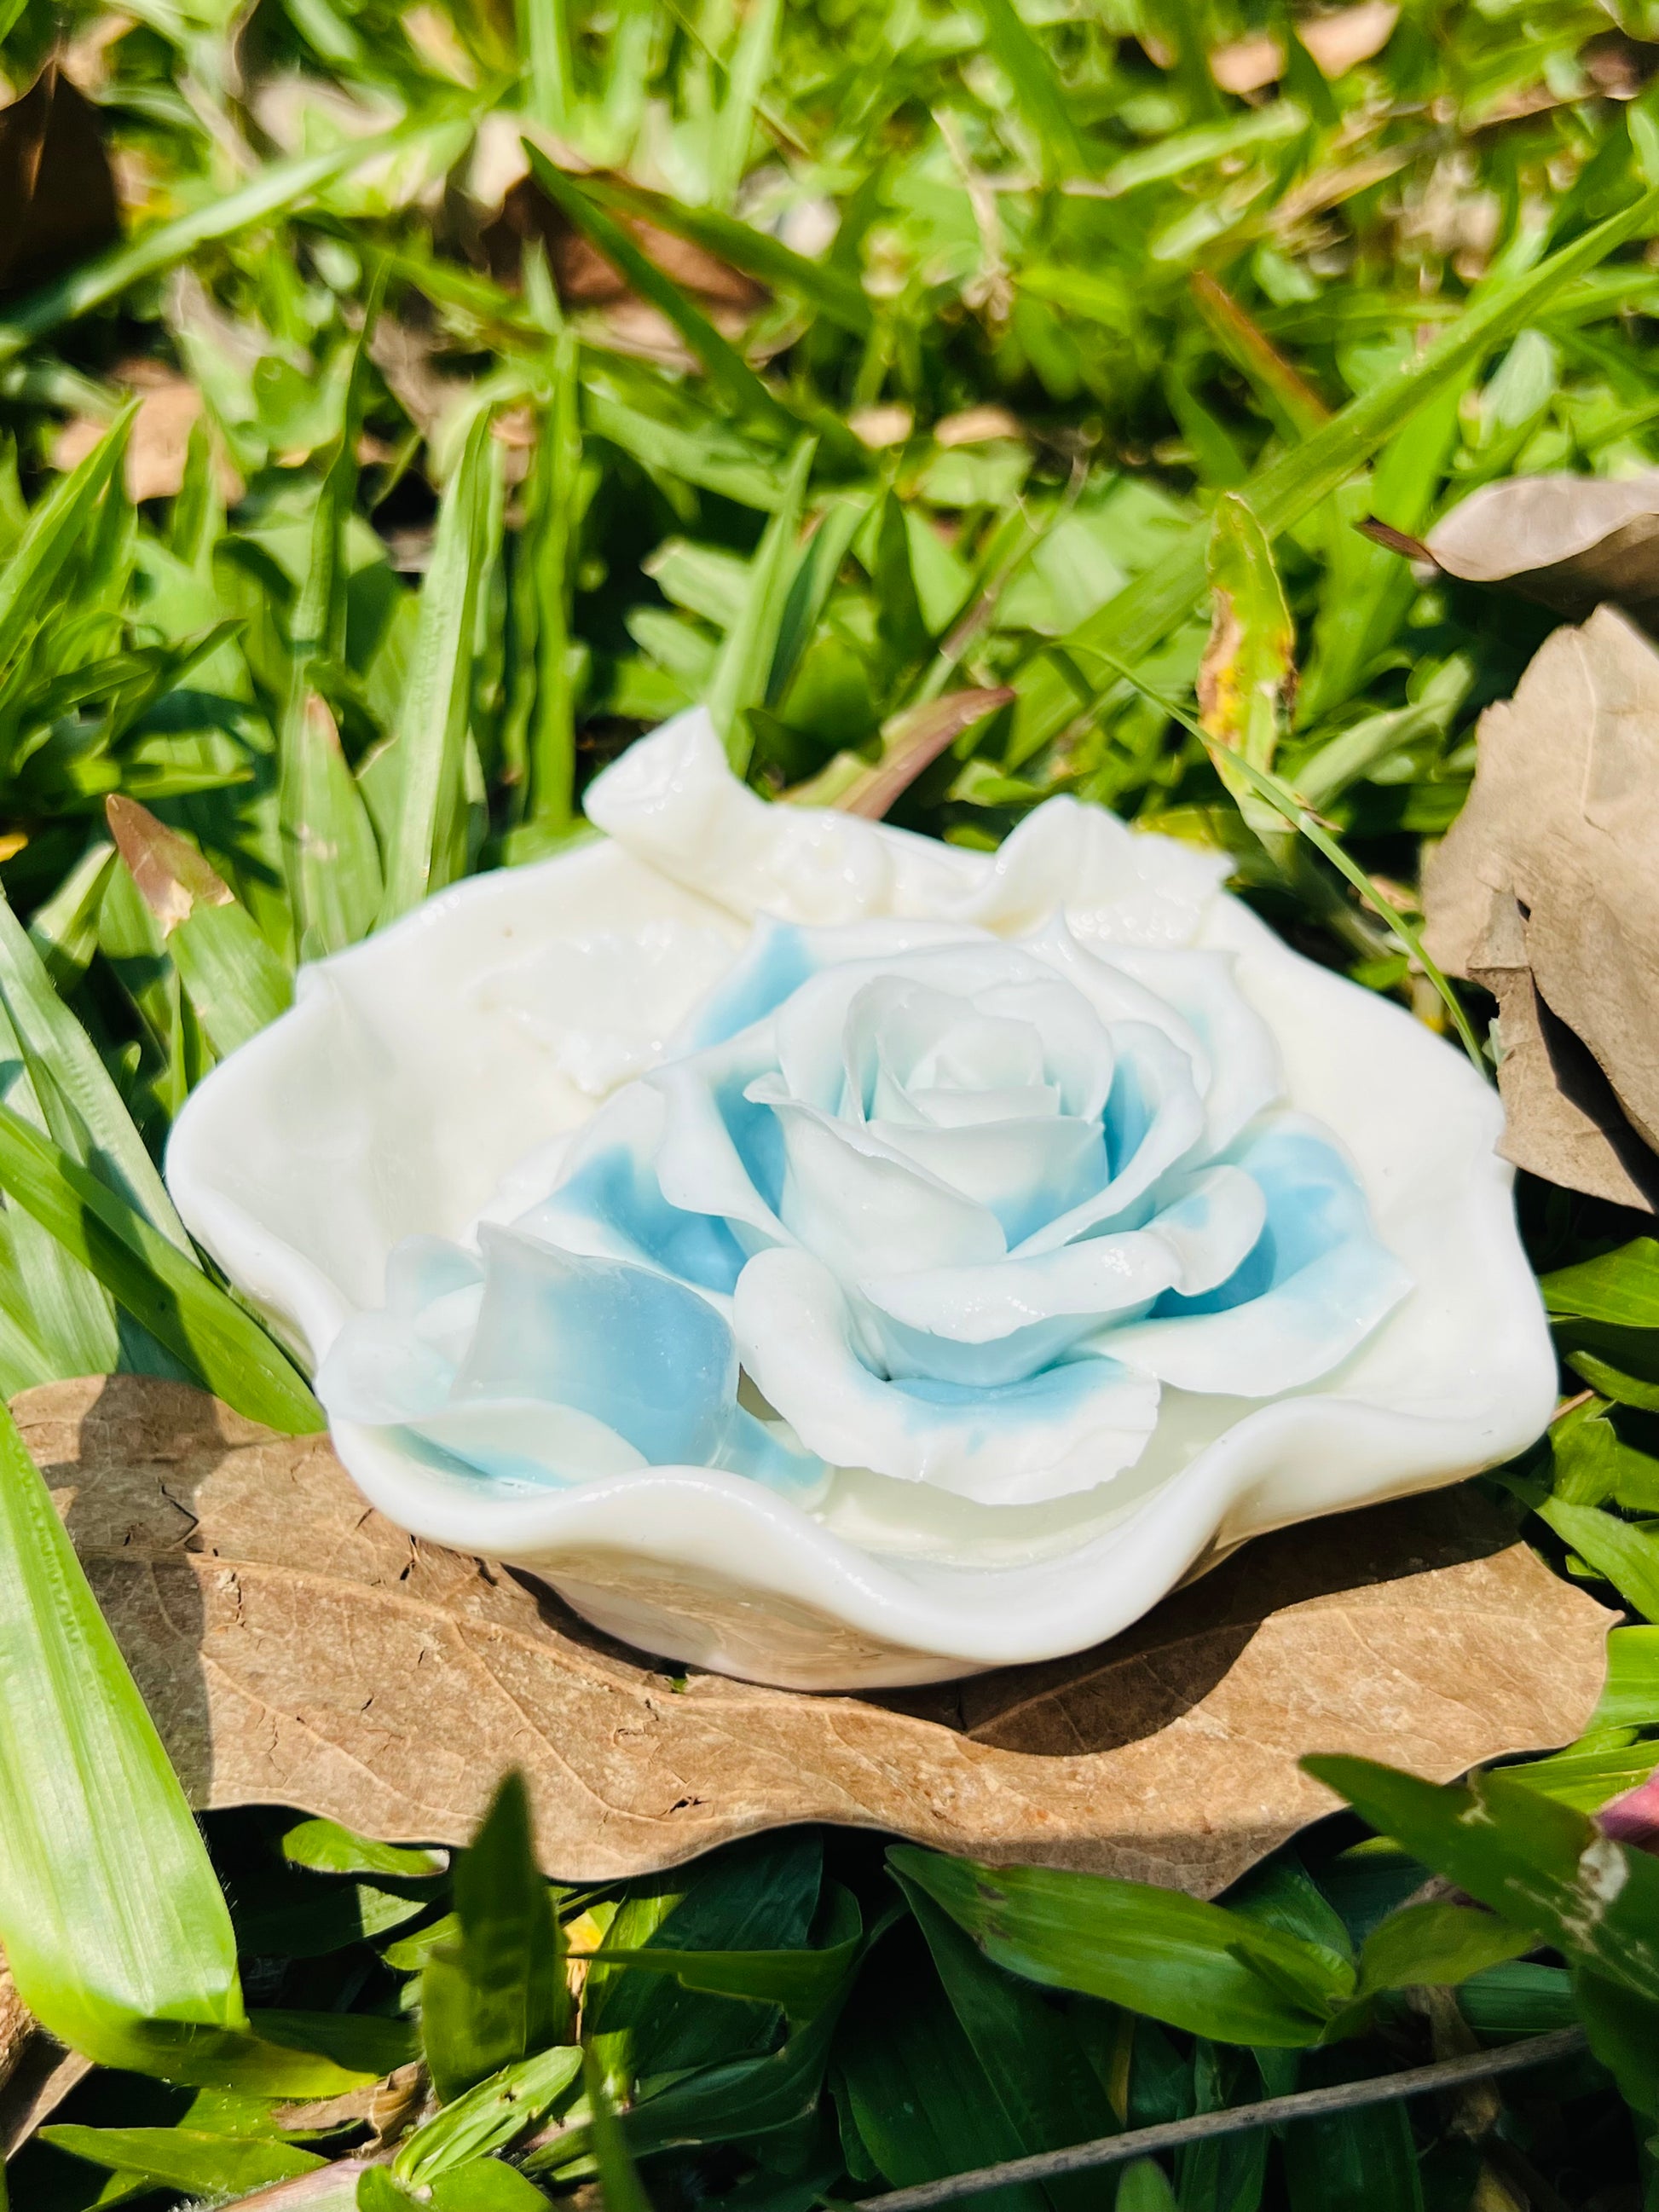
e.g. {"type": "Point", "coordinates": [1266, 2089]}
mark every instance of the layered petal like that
{"type": "Point", "coordinates": [1000, 1323]}
{"type": "Point", "coordinates": [1317, 1283]}
{"type": "Point", "coordinates": [1066, 1428]}
{"type": "Point", "coordinates": [857, 1203]}
{"type": "Point", "coordinates": [532, 1363]}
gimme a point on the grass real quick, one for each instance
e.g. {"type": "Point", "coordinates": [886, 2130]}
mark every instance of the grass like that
{"type": "Point", "coordinates": [466, 389]}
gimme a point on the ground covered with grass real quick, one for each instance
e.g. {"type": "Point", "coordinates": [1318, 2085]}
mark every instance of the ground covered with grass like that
{"type": "Point", "coordinates": [406, 407]}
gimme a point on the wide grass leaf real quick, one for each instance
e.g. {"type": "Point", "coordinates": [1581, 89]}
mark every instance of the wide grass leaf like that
{"type": "Point", "coordinates": [498, 1993]}
{"type": "Point", "coordinates": [171, 1296]}
{"type": "Point", "coordinates": [1194, 1965]}
{"type": "Point", "coordinates": [115, 1928]}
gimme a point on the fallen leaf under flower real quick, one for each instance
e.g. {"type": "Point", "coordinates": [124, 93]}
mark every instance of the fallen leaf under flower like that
{"type": "Point", "coordinates": [1547, 889]}
{"type": "Point", "coordinates": [296, 1649]}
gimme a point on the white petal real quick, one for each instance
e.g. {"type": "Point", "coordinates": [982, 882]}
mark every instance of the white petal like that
{"type": "Point", "coordinates": [1068, 1429]}
{"type": "Point", "coordinates": [1025, 1172]}
{"type": "Point", "coordinates": [528, 1440]}
{"type": "Point", "coordinates": [1115, 884]}
{"type": "Point", "coordinates": [672, 801]}
{"type": "Point", "coordinates": [811, 1026]}
{"type": "Point", "coordinates": [1018, 1315]}
{"type": "Point", "coordinates": [861, 1207]}
{"type": "Point", "coordinates": [1154, 1120]}
{"type": "Point", "coordinates": [403, 1085]}
{"type": "Point", "coordinates": [781, 955]}
{"type": "Point", "coordinates": [1244, 1071]}
{"type": "Point", "coordinates": [721, 1153]}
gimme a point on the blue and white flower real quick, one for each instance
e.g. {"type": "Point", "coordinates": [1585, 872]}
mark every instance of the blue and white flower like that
{"type": "Point", "coordinates": [955, 1208]}
{"type": "Point", "coordinates": [841, 1258]}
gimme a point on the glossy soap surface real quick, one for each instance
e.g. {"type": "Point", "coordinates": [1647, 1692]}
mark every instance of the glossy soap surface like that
{"type": "Point", "coordinates": [842, 1260]}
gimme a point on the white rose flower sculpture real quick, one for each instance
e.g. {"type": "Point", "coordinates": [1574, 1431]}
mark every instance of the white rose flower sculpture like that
{"type": "Point", "coordinates": [842, 1260]}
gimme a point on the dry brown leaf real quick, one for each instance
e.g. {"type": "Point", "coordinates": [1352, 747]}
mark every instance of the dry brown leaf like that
{"type": "Point", "coordinates": [56, 195]}
{"type": "Point", "coordinates": [1568, 541]}
{"type": "Point", "coordinates": [296, 1649]}
{"type": "Point", "coordinates": [158, 443]}
{"type": "Point", "coordinates": [36, 2072]}
{"type": "Point", "coordinates": [585, 279]}
{"type": "Point", "coordinates": [1348, 36]}
{"type": "Point", "coordinates": [1550, 878]}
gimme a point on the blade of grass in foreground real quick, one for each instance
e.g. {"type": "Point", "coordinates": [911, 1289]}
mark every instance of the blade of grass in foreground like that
{"type": "Point", "coordinates": [1286, 490]}
{"type": "Point", "coordinates": [176, 1302]}
{"type": "Point", "coordinates": [111, 1913]}
{"type": "Point", "coordinates": [51, 1035]}
{"type": "Point", "coordinates": [432, 725]}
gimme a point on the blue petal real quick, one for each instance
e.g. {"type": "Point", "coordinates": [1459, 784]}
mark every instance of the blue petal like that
{"type": "Point", "coordinates": [1315, 1205]}
{"type": "Point", "coordinates": [776, 961]}
{"type": "Point", "coordinates": [1315, 1285]}
{"type": "Point", "coordinates": [649, 1358]}
{"type": "Point", "coordinates": [615, 1192]}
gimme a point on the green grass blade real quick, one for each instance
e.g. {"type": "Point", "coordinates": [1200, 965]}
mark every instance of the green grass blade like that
{"type": "Point", "coordinates": [550, 739]}
{"type": "Point", "coordinates": [1285, 803]}
{"type": "Point", "coordinates": [835, 295]}
{"type": "Point", "coordinates": [498, 1994]}
{"type": "Point", "coordinates": [1040, 95]}
{"type": "Point", "coordinates": [725, 367]}
{"type": "Point", "coordinates": [619, 2178]}
{"type": "Point", "coordinates": [202, 1327]}
{"type": "Point", "coordinates": [744, 662]}
{"type": "Point", "coordinates": [194, 2160]}
{"type": "Point", "coordinates": [751, 64]}
{"type": "Point", "coordinates": [52, 1035]}
{"type": "Point", "coordinates": [489, 2117]}
{"type": "Point", "coordinates": [272, 192]}
{"type": "Point", "coordinates": [109, 1911]}
{"type": "Point", "coordinates": [333, 860]}
{"type": "Point", "coordinates": [57, 1301]}
{"type": "Point", "coordinates": [544, 36]}
{"type": "Point", "coordinates": [431, 732]}
{"type": "Point", "coordinates": [58, 526]}
{"type": "Point", "coordinates": [1292, 486]}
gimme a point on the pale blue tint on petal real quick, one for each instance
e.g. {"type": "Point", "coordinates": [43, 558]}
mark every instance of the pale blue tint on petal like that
{"type": "Point", "coordinates": [1053, 1394]}
{"type": "Point", "coordinates": [645, 1355]}
{"type": "Point", "coordinates": [753, 1449]}
{"type": "Point", "coordinates": [522, 1443]}
{"type": "Point", "coordinates": [756, 1137]}
{"type": "Point", "coordinates": [776, 961]}
{"type": "Point", "coordinates": [377, 1370]}
{"type": "Point", "coordinates": [422, 1269]}
{"type": "Point", "coordinates": [1153, 1120]}
{"type": "Point", "coordinates": [616, 1192]}
{"type": "Point", "coordinates": [1313, 1205]}
{"type": "Point", "coordinates": [1243, 1077]}
{"type": "Point", "coordinates": [921, 1358]}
